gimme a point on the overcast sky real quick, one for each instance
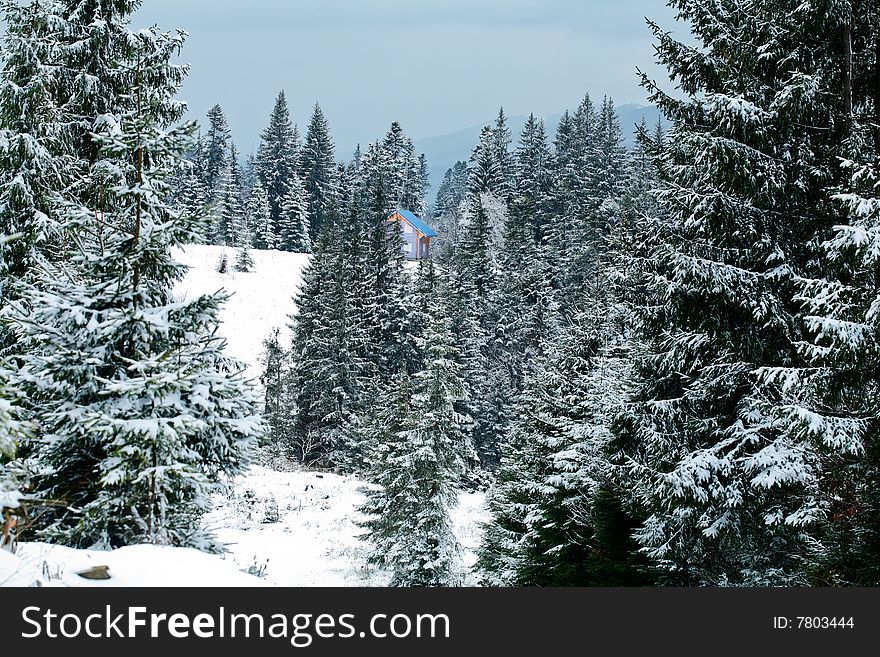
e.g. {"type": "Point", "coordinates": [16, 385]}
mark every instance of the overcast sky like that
{"type": "Point", "coordinates": [434, 65]}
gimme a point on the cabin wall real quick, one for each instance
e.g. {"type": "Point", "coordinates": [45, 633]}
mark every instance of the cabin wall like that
{"type": "Point", "coordinates": [415, 244]}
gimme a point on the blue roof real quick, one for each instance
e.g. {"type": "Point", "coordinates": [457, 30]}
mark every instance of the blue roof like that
{"type": "Point", "coordinates": [417, 223]}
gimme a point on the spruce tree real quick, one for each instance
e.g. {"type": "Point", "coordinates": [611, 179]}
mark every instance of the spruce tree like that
{"type": "Point", "coordinates": [324, 359]}
{"type": "Point", "coordinates": [829, 401]}
{"type": "Point", "coordinates": [33, 165]}
{"type": "Point", "coordinates": [232, 227]}
{"type": "Point", "coordinates": [277, 159]}
{"type": "Point", "coordinates": [217, 152]}
{"type": "Point", "coordinates": [138, 410]}
{"type": "Point", "coordinates": [477, 289]}
{"type": "Point", "coordinates": [485, 174]}
{"type": "Point", "coordinates": [728, 489]}
{"type": "Point", "coordinates": [244, 261]}
{"type": "Point", "coordinates": [317, 169]}
{"type": "Point", "coordinates": [502, 138]}
{"type": "Point", "coordinates": [276, 403]}
{"type": "Point", "coordinates": [419, 455]}
{"type": "Point", "coordinates": [13, 430]}
{"type": "Point", "coordinates": [448, 211]}
{"type": "Point", "coordinates": [259, 216]}
{"type": "Point", "coordinates": [293, 223]}
{"type": "Point", "coordinates": [404, 172]}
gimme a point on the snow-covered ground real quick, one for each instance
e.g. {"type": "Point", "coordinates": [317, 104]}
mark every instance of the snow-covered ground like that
{"type": "Point", "coordinates": [300, 528]}
{"type": "Point", "coordinates": [40, 564]}
{"type": "Point", "coordinates": [296, 528]}
{"type": "Point", "coordinates": [261, 300]}
{"type": "Point", "coordinates": [281, 526]}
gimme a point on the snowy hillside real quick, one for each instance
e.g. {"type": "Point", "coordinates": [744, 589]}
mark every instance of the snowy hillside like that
{"type": "Point", "coordinates": [293, 528]}
{"type": "Point", "coordinates": [261, 300]}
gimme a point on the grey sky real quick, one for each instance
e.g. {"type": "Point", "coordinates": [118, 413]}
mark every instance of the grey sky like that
{"type": "Point", "coordinates": [436, 66]}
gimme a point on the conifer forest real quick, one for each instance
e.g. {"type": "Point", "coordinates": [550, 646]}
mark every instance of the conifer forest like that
{"type": "Point", "coordinates": [652, 349]}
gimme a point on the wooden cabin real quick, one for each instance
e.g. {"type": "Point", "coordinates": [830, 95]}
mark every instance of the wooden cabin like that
{"type": "Point", "coordinates": [415, 234]}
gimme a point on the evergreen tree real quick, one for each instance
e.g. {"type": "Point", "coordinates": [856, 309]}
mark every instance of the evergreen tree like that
{"type": "Point", "coordinates": [276, 403]}
{"type": "Point", "coordinates": [192, 198]}
{"type": "Point", "coordinates": [317, 169]}
{"type": "Point", "coordinates": [477, 278]}
{"type": "Point", "coordinates": [728, 489]}
{"type": "Point", "coordinates": [217, 152]}
{"type": "Point", "coordinates": [232, 227]}
{"type": "Point", "coordinates": [32, 139]}
{"type": "Point", "coordinates": [830, 401]}
{"type": "Point", "coordinates": [138, 410]}
{"type": "Point", "coordinates": [556, 518]}
{"type": "Point", "coordinates": [277, 159]}
{"type": "Point", "coordinates": [422, 184]}
{"type": "Point", "coordinates": [404, 172]}
{"type": "Point", "coordinates": [13, 430]}
{"type": "Point", "coordinates": [260, 217]}
{"type": "Point", "coordinates": [419, 456]}
{"type": "Point", "coordinates": [486, 175]}
{"type": "Point", "coordinates": [293, 224]}
{"type": "Point", "coordinates": [324, 360]}
{"type": "Point", "coordinates": [448, 211]}
{"type": "Point", "coordinates": [244, 261]}
{"type": "Point", "coordinates": [502, 138]}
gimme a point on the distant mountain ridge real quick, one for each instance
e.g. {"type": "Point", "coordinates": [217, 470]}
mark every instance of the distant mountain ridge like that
{"type": "Point", "coordinates": [443, 151]}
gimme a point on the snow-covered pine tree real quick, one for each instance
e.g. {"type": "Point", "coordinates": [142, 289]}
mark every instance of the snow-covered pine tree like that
{"type": "Point", "coordinates": [831, 401]}
{"type": "Point", "coordinates": [260, 217]}
{"type": "Point", "coordinates": [346, 175]}
{"type": "Point", "coordinates": [556, 508]}
{"type": "Point", "coordinates": [404, 172]}
{"type": "Point", "coordinates": [138, 410]}
{"type": "Point", "coordinates": [533, 163]}
{"type": "Point", "coordinates": [728, 489]}
{"type": "Point", "coordinates": [390, 317]}
{"type": "Point", "coordinates": [13, 430]}
{"type": "Point", "coordinates": [277, 158]}
{"type": "Point", "coordinates": [293, 222]}
{"type": "Point", "coordinates": [244, 261]}
{"type": "Point", "coordinates": [418, 458]}
{"type": "Point", "coordinates": [476, 273]}
{"type": "Point", "coordinates": [448, 210]}
{"type": "Point", "coordinates": [324, 353]}
{"type": "Point", "coordinates": [191, 196]}
{"type": "Point", "coordinates": [217, 152]}
{"type": "Point", "coordinates": [423, 184]}
{"type": "Point", "coordinates": [610, 155]}
{"type": "Point", "coordinates": [317, 169]}
{"type": "Point", "coordinates": [249, 173]}
{"type": "Point", "coordinates": [485, 174]}
{"type": "Point", "coordinates": [232, 224]}
{"type": "Point", "coordinates": [523, 296]}
{"type": "Point", "coordinates": [502, 139]}
{"type": "Point", "coordinates": [571, 235]}
{"type": "Point", "coordinates": [33, 138]}
{"type": "Point", "coordinates": [276, 403]}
